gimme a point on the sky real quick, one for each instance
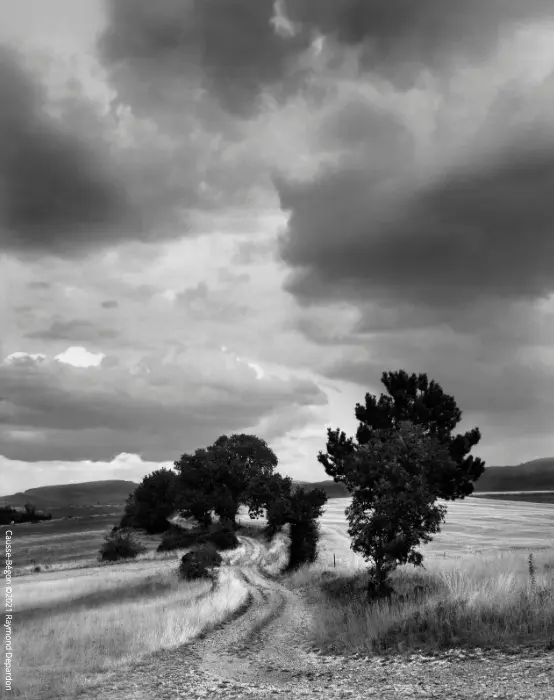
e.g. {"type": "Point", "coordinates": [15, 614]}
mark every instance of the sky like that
{"type": "Point", "coordinates": [234, 215]}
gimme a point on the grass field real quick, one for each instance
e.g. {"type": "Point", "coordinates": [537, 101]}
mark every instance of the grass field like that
{"type": "Point", "coordinates": [527, 496]}
{"type": "Point", "coordinates": [72, 624]}
{"type": "Point", "coordinates": [61, 541]}
{"type": "Point", "coordinates": [475, 590]}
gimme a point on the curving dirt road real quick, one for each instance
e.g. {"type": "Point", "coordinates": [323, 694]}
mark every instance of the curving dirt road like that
{"type": "Point", "coordinates": [262, 652]}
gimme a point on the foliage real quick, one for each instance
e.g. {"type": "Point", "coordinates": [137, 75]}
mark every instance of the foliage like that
{"type": "Point", "coordinates": [303, 509]}
{"type": "Point", "coordinates": [411, 398]}
{"type": "Point", "coordinates": [120, 544]}
{"type": "Point", "coordinates": [152, 502]}
{"type": "Point", "coordinates": [223, 536]}
{"type": "Point", "coordinates": [29, 515]}
{"type": "Point", "coordinates": [200, 563]}
{"type": "Point", "coordinates": [178, 538]}
{"type": "Point", "coordinates": [404, 460]}
{"type": "Point", "coordinates": [217, 478]}
{"type": "Point", "coordinates": [270, 494]}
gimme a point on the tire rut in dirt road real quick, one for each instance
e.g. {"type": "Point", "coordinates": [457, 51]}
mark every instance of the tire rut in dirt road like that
{"type": "Point", "coordinates": [269, 641]}
{"type": "Point", "coordinates": [261, 644]}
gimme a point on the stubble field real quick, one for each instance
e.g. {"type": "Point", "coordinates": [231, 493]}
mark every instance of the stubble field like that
{"type": "Point", "coordinates": [73, 623]}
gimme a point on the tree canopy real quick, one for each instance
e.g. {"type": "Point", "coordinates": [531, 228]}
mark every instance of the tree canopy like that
{"type": "Point", "coordinates": [403, 460]}
{"type": "Point", "coordinates": [152, 502]}
{"type": "Point", "coordinates": [422, 402]}
{"type": "Point", "coordinates": [220, 477]}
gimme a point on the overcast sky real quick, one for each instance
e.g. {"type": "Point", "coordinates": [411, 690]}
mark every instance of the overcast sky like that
{"type": "Point", "coordinates": [234, 215]}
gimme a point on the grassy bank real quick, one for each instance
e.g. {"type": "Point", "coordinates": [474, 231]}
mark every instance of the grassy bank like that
{"type": "Point", "coordinates": [473, 600]}
{"type": "Point", "coordinates": [70, 629]}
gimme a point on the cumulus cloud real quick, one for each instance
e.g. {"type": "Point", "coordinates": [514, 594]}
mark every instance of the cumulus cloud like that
{"type": "Point", "coordinates": [55, 187]}
{"type": "Point", "coordinates": [423, 242]}
{"type": "Point", "coordinates": [399, 39]}
{"type": "Point", "coordinates": [232, 48]}
{"type": "Point", "coordinates": [76, 330]}
{"type": "Point", "coordinates": [155, 408]}
{"type": "Point", "coordinates": [80, 174]}
{"type": "Point", "coordinates": [480, 229]}
{"type": "Point", "coordinates": [397, 221]}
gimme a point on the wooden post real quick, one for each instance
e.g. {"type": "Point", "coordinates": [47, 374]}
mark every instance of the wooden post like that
{"type": "Point", "coordinates": [334, 563]}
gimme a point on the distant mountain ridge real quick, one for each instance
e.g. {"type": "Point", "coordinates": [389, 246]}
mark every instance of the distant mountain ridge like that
{"type": "Point", "coordinates": [108, 492]}
{"type": "Point", "coordinates": [536, 475]}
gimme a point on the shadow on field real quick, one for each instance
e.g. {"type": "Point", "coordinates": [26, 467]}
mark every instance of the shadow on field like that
{"type": "Point", "coordinates": [152, 587]}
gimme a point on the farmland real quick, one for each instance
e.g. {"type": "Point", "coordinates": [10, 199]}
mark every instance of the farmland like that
{"type": "Point", "coordinates": [139, 607]}
{"type": "Point", "coordinates": [61, 541]}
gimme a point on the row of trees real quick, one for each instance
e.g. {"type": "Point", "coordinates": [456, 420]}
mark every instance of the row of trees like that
{"type": "Point", "coordinates": [216, 481]}
{"type": "Point", "coordinates": [403, 459]}
{"type": "Point", "coordinates": [29, 514]}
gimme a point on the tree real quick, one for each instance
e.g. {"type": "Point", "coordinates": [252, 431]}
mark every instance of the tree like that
{"type": "Point", "coordinates": [120, 544]}
{"type": "Point", "coordinates": [394, 508]}
{"type": "Point", "coordinates": [30, 511]}
{"type": "Point", "coordinates": [412, 398]}
{"type": "Point", "coordinates": [303, 510]}
{"type": "Point", "coordinates": [152, 502]}
{"type": "Point", "coordinates": [263, 492]}
{"type": "Point", "coordinates": [195, 486]}
{"type": "Point", "coordinates": [219, 476]}
{"type": "Point", "coordinates": [404, 460]}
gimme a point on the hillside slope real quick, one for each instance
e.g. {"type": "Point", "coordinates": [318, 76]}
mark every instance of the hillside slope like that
{"type": "Point", "coordinates": [89, 493]}
{"type": "Point", "coordinates": [536, 475]}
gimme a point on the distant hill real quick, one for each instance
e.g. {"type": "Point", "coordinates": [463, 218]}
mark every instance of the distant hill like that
{"type": "Point", "coordinates": [89, 493]}
{"type": "Point", "coordinates": [537, 475]}
{"type": "Point", "coordinates": [332, 489]}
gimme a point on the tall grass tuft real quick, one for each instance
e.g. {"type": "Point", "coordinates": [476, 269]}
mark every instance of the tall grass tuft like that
{"type": "Point", "coordinates": [474, 601]}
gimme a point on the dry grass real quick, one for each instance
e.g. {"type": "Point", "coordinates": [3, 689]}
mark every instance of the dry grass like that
{"type": "Point", "coordinates": [72, 624]}
{"type": "Point", "coordinates": [460, 599]}
{"type": "Point", "coordinates": [70, 629]}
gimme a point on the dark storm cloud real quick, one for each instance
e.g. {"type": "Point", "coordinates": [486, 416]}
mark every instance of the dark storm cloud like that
{"type": "Point", "coordinates": [74, 331]}
{"type": "Point", "coordinates": [502, 384]}
{"type": "Point", "coordinates": [86, 180]}
{"type": "Point", "coordinates": [158, 51]}
{"type": "Point", "coordinates": [479, 230]}
{"type": "Point", "coordinates": [56, 194]}
{"type": "Point", "coordinates": [110, 304]}
{"type": "Point", "coordinates": [51, 410]}
{"type": "Point", "coordinates": [400, 38]}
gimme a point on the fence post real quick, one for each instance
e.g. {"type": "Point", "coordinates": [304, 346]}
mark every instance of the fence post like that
{"type": "Point", "coordinates": [334, 563]}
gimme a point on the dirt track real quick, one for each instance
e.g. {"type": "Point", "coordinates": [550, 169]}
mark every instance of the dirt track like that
{"type": "Point", "coordinates": [262, 652]}
{"type": "Point", "coordinates": [264, 644]}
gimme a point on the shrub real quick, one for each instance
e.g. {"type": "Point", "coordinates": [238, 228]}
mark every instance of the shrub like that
{"type": "Point", "coordinates": [223, 536]}
{"type": "Point", "coordinates": [200, 563]}
{"type": "Point", "coordinates": [304, 537]}
{"type": "Point", "coordinates": [120, 544]}
{"type": "Point", "coordinates": [178, 538]}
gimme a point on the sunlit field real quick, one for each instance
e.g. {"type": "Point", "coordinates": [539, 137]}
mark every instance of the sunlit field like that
{"type": "Point", "coordinates": [71, 626]}
{"type": "Point", "coordinates": [476, 525]}
{"type": "Point", "coordinates": [68, 540]}
{"type": "Point", "coordinates": [476, 589]}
